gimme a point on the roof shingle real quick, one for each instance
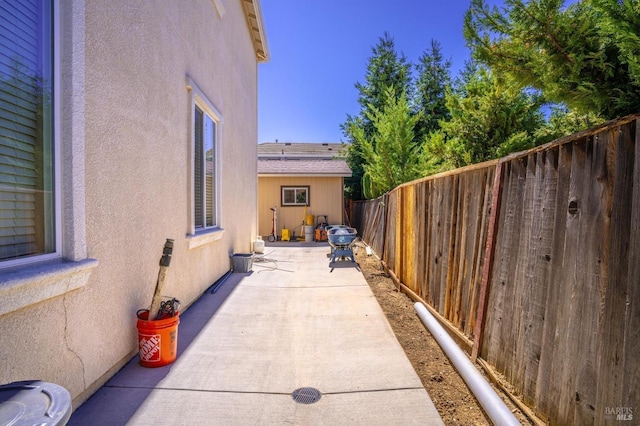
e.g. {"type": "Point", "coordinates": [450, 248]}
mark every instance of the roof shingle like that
{"type": "Point", "coordinates": [304, 167]}
{"type": "Point", "coordinates": [299, 150]}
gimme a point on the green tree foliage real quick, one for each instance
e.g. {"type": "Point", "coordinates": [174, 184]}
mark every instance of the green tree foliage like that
{"type": "Point", "coordinates": [620, 22]}
{"type": "Point", "coordinates": [434, 77]}
{"type": "Point", "coordinates": [386, 68]}
{"type": "Point", "coordinates": [563, 122]}
{"type": "Point", "coordinates": [390, 154]}
{"type": "Point", "coordinates": [584, 55]}
{"type": "Point", "coordinates": [582, 59]}
{"type": "Point", "coordinates": [489, 119]}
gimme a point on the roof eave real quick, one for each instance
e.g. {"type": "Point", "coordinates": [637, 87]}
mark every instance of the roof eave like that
{"type": "Point", "coordinates": [253, 13]}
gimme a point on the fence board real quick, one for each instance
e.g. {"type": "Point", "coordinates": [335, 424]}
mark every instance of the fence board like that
{"type": "Point", "coordinates": [612, 359]}
{"type": "Point", "coordinates": [499, 331]}
{"type": "Point", "coordinates": [430, 282]}
{"type": "Point", "coordinates": [486, 252]}
{"type": "Point", "coordinates": [422, 246]}
{"type": "Point", "coordinates": [522, 295]}
{"type": "Point", "coordinates": [531, 286]}
{"type": "Point", "coordinates": [448, 216]}
{"type": "Point", "coordinates": [631, 386]}
{"type": "Point", "coordinates": [398, 258]}
{"type": "Point", "coordinates": [474, 189]}
{"type": "Point", "coordinates": [409, 236]}
{"type": "Point", "coordinates": [460, 226]}
{"type": "Point", "coordinates": [441, 254]}
{"type": "Point", "coordinates": [546, 397]}
{"type": "Point", "coordinates": [593, 247]}
{"type": "Point", "coordinates": [567, 307]}
{"type": "Point", "coordinates": [436, 264]}
{"type": "Point", "coordinates": [450, 246]}
{"type": "Point", "coordinates": [475, 250]}
{"type": "Point", "coordinates": [378, 218]}
{"type": "Point", "coordinates": [390, 229]}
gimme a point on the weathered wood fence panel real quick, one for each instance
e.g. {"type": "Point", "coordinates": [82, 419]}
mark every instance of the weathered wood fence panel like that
{"type": "Point", "coordinates": [562, 317]}
{"type": "Point", "coordinates": [370, 219]}
{"type": "Point", "coordinates": [537, 213]}
{"type": "Point", "coordinates": [435, 234]}
{"type": "Point", "coordinates": [618, 364]}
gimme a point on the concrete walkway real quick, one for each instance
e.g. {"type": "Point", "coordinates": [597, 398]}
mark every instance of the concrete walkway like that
{"type": "Point", "coordinates": [291, 323]}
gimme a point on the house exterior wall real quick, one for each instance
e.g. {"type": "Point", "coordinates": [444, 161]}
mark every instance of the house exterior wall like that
{"type": "Point", "coordinates": [326, 199]}
{"type": "Point", "coordinates": [125, 67]}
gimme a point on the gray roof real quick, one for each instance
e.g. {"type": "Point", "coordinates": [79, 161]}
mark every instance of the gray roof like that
{"type": "Point", "coordinates": [304, 167]}
{"type": "Point", "coordinates": [298, 150]}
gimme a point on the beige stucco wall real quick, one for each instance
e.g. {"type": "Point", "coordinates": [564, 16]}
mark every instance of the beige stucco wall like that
{"type": "Point", "coordinates": [326, 199]}
{"type": "Point", "coordinates": [135, 117]}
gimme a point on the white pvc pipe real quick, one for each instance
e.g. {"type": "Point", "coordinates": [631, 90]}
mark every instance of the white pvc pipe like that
{"type": "Point", "coordinates": [498, 412]}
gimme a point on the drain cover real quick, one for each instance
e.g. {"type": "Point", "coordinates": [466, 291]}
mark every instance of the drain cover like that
{"type": "Point", "coordinates": [306, 395]}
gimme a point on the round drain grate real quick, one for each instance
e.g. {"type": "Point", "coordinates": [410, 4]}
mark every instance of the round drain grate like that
{"type": "Point", "coordinates": [306, 395]}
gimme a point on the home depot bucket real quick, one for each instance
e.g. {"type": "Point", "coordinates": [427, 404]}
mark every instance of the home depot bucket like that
{"type": "Point", "coordinates": [157, 340]}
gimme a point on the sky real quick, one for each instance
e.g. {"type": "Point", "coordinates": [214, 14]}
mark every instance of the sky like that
{"type": "Point", "coordinates": [320, 49]}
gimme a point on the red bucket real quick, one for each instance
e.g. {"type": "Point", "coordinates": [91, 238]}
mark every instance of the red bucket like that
{"type": "Point", "coordinates": [157, 340]}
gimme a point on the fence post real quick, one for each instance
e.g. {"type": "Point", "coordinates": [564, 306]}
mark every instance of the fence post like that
{"type": "Point", "coordinates": [385, 201]}
{"type": "Point", "coordinates": [487, 266]}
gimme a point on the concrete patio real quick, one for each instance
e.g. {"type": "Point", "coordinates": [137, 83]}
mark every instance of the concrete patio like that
{"type": "Point", "coordinates": [293, 322]}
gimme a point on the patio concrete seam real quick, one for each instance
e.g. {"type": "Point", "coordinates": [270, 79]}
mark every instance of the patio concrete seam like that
{"type": "Point", "coordinates": [304, 286]}
{"type": "Point", "coordinates": [241, 392]}
{"type": "Point", "coordinates": [374, 390]}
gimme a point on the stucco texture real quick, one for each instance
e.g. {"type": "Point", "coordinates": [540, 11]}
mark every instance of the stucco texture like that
{"type": "Point", "coordinates": [137, 153]}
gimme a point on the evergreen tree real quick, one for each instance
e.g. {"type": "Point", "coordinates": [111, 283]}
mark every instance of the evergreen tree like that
{"type": "Point", "coordinates": [620, 22]}
{"type": "Point", "coordinates": [584, 55]}
{"type": "Point", "coordinates": [390, 154]}
{"type": "Point", "coordinates": [433, 79]}
{"type": "Point", "coordinates": [386, 68]}
{"type": "Point", "coordinates": [563, 122]}
{"type": "Point", "coordinates": [488, 120]}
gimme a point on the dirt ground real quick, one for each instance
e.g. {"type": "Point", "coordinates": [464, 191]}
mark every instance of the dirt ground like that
{"type": "Point", "coordinates": [451, 396]}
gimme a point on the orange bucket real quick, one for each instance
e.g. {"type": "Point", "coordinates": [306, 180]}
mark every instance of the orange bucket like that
{"type": "Point", "coordinates": [157, 340]}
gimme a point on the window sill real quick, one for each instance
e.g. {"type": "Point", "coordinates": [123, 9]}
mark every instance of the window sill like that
{"type": "Point", "coordinates": [25, 286]}
{"type": "Point", "coordinates": [204, 237]}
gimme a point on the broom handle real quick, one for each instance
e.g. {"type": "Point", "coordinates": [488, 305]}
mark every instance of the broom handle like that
{"type": "Point", "coordinates": [165, 260]}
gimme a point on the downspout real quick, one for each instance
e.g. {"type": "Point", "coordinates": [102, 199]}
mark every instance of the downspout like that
{"type": "Point", "coordinates": [493, 405]}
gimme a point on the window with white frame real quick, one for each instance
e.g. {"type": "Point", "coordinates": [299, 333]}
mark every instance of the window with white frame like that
{"type": "Point", "coordinates": [206, 178]}
{"type": "Point", "coordinates": [295, 196]}
{"type": "Point", "coordinates": [34, 130]}
{"type": "Point", "coordinates": [29, 211]}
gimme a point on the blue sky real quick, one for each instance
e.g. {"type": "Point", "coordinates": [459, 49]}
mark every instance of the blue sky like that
{"type": "Point", "coordinates": [320, 49]}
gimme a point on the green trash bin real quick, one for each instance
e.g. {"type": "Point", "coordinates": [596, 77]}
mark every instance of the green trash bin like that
{"type": "Point", "coordinates": [34, 403]}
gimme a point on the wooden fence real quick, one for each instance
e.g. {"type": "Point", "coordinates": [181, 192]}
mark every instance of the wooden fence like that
{"type": "Point", "coordinates": [534, 259]}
